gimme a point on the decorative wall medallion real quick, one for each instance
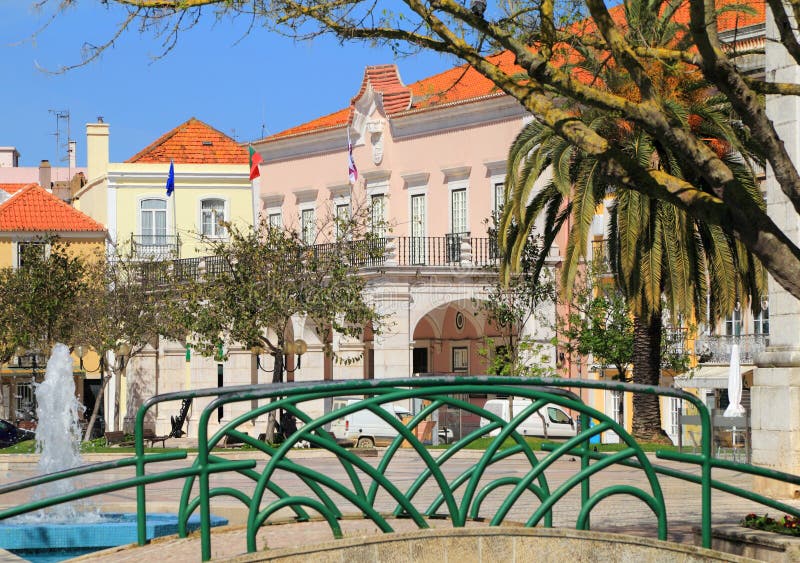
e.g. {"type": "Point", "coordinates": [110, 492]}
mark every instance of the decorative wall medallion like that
{"type": "Point", "coordinates": [459, 320]}
{"type": "Point", "coordinates": [375, 129]}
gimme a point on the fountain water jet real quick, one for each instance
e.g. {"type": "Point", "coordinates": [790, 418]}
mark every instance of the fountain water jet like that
{"type": "Point", "coordinates": [58, 437]}
{"type": "Point", "coordinates": [71, 529]}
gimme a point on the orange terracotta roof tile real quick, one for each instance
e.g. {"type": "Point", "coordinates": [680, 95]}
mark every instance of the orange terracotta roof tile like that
{"type": "Point", "coordinates": [35, 209]}
{"type": "Point", "coordinates": [14, 187]}
{"type": "Point", "coordinates": [193, 142]}
{"type": "Point", "coordinates": [464, 84]}
{"type": "Point", "coordinates": [386, 80]}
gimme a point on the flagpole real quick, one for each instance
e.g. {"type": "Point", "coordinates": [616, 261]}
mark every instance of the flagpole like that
{"type": "Point", "coordinates": [175, 223]}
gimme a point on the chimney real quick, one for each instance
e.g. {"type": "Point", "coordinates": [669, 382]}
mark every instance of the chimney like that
{"type": "Point", "coordinates": [9, 156]}
{"type": "Point", "coordinates": [72, 160]}
{"type": "Point", "coordinates": [96, 149]}
{"type": "Point", "coordinates": [45, 174]}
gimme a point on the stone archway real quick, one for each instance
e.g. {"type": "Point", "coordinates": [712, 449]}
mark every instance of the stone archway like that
{"type": "Point", "coordinates": [454, 337]}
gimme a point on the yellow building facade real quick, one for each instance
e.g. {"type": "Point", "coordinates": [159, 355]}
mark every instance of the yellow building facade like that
{"type": "Point", "coordinates": [211, 184]}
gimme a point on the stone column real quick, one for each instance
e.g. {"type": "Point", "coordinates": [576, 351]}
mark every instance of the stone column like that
{"type": "Point", "coordinates": [775, 395]}
{"type": "Point", "coordinates": [391, 348]}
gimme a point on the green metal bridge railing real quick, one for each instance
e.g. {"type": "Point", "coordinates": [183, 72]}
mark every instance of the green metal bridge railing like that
{"type": "Point", "coordinates": [459, 499]}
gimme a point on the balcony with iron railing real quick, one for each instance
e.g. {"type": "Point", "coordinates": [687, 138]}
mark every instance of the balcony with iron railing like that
{"type": "Point", "coordinates": [716, 349]}
{"type": "Point", "coordinates": [156, 247]}
{"type": "Point", "coordinates": [453, 251]}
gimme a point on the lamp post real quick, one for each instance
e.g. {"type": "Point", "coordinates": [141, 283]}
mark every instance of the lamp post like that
{"type": "Point", "coordinates": [122, 351]}
{"type": "Point", "coordinates": [297, 347]}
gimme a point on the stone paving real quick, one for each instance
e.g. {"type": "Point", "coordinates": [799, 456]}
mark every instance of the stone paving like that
{"type": "Point", "coordinates": [622, 514]}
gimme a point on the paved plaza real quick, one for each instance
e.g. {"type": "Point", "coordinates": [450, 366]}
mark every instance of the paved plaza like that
{"type": "Point", "coordinates": [622, 514]}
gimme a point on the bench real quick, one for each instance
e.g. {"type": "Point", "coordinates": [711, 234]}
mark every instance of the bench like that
{"type": "Point", "coordinates": [231, 442]}
{"type": "Point", "coordinates": [117, 438]}
{"type": "Point", "coordinates": [149, 435]}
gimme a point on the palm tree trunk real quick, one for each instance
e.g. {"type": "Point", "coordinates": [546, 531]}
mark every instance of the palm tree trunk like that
{"type": "Point", "coordinates": [647, 371]}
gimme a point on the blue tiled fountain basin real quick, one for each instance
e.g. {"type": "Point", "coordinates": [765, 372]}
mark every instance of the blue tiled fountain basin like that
{"type": "Point", "coordinates": [55, 542]}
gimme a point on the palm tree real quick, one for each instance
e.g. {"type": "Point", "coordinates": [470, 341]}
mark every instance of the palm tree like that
{"type": "Point", "coordinates": [661, 258]}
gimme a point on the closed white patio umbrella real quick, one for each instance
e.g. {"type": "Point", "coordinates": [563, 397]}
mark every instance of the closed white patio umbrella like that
{"type": "Point", "coordinates": [735, 407]}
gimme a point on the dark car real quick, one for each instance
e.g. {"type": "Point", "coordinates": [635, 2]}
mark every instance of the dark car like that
{"type": "Point", "coordinates": [10, 434]}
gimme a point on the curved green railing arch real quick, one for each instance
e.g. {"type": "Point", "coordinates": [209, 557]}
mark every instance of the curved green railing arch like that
{"type": "Point", "coordinates": [462, 496]}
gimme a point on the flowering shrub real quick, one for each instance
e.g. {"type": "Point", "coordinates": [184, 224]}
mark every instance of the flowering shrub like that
{"type": "Point", "coordinates": [789, 525]}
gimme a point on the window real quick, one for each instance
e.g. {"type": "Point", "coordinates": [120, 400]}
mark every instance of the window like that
{"type": "Point", "coordinates": [418, 229]}
{"type": "Point", "coordinates": [458, 223]}
{"type": "Point", "coordinates": [30, 251]}
{"type": "Point", "coordinates": [499, 197]}
{"type": "Point", "coordinates": [617, 409]}
{"type": "Point", "coordinates": [275, 220]}
{"type": "Point", "coordinates": [733, 323]}
{"type": "Point", "coordinates": [153, 222]}
{"type": "Point", "coordinates": [211, 215]}
{"type": "Point", "coordinates": [761, 322]}
{"type": "Point", "coordinates": [460, 359]}
{"type": "Point", "coordinates": [342, 217]}
{"type": "Point", "coordinates": [307, 227]}
{"type": "Point", "coordinates": [558, 416]}
{"type": "Point", "coordinates": [458, 210]}
{"type": "Point", "coordinates": [378, 214]}
{"type": "Point", "coordinates": [675, 416]}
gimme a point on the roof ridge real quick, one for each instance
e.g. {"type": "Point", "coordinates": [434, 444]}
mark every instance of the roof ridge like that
{"type": "Point", "coordinates": [161, 140]}
{"type": "Point", "coordinates": [193, 142]}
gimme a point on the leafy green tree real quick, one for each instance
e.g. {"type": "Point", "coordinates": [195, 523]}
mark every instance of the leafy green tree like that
{"type": "Point", "coordinates": [39, 300]}
{"type": "Point", "coordinates": [509, 307]}
{"type": "Point", "coordinates": [126, 307]}
{"type": "Point", "coordinates": [598, 323]}
{"type": "Point", "coordinates": [554, 72]}
{"type": "Point", "coordinates": [265, 276]}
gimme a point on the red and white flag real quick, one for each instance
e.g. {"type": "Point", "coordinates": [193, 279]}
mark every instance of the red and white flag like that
{"type": "Point", "coordinates": [352, 171]}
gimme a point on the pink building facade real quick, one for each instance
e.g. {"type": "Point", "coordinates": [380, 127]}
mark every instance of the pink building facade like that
{"type": "Point", "coordinates": [432, 161]}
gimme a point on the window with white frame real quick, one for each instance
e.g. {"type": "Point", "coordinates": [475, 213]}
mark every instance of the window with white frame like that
{"type": "Point", "coordinates": [733, 323]}
{"type": "Point", "coordinates": [378, 214]}
{"type": "Point", "coordinates": [458, 210]}
{"type": "Point", "coordinates": [499, 197]}
{"type": "Point", "coordinates": [153, 222]}
{"type": "Point", "coordinates": [617, 408]}
{"type": "Point", "coordinates": [307, 226]}
{"type": "Point", "coordinates": [342, 218]}
{"type": "Point", "coordinates": [212, 214]}
{"type": "Point", "coordinates": [30, 250]}
{"type": "Point", "coordinates": [460, 359]}
{"type": "Point", "coordinates": [675, 416]}
{"type": "Point", "coordinates": [418, 229]}
{"type": "Point", "coordinates": [275, 220]}
{"type": "Point", "coordinates": [761, 322]}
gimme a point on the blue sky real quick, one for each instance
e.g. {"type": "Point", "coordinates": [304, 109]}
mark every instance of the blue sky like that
{"type": "Point", "coordinates": [231, 82]}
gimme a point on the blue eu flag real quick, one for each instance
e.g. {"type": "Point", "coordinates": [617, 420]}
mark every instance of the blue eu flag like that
{"type": "Point", "coordinates": [171, 179]}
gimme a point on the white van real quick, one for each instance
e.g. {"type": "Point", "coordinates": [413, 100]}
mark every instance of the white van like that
{"type": "Point", "coordinates": [559, 423]}
{"type": "Point", "coordinates": [367, 429]}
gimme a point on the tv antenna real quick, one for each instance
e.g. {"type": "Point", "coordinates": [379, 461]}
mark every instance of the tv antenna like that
{"type": "Point", "coordinates": [62, 115]}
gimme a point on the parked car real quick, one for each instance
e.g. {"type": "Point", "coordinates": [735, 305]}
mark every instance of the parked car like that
{"type": "Point", "coordinates": [445, 435]}
{"type": "Point", "coordinates": [368, 430]}
{"type": "Point", "coordinates": [11, 434]}
{"type": "Point", "coordinates": [559, 423]}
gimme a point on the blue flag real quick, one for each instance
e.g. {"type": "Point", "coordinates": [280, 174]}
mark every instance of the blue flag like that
{"type": "Point", "coordinates": [171, 179]}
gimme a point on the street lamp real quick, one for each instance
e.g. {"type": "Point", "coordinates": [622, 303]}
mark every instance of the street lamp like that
{"type": "Point", "coordinates": [257, 350]}
{"type": "Point", "coordinates": [298, 347]}
{"type": "Point", "coordinates": [123, 350]}
{"type": "Point", "coordinates": [81, 350]}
